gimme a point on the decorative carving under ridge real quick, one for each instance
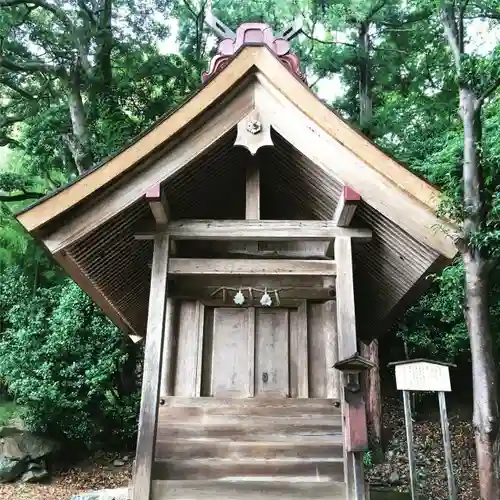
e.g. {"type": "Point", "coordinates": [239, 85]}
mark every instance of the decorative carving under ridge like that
{"type": "Point", "coordinates": [253, 34]}
{"type": "Point", "coordinates": [253, 133]}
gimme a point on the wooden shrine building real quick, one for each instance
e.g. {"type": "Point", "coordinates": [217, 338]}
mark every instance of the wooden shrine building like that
{"type": "Point", "coordinates": [253, 238]}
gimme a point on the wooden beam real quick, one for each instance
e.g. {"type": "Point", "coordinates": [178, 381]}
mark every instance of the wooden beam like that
{"type": "Point", "coordinates": [346, 207]}
{"type": "Point", "coordinates": [158, 204]}
{"type": "Point", "coordinates": [269, 249]}
{"type": "Point", "coordinates": [148, 413]}
{"type": "Point", "coordinates": [252, 206]}
{"type": "Point", "coordinates": [252, 194]}
{"type": "Point", "coordinates": [302, 352]}
{"type": "Point", "coordinates": [166, 386]}
{"type": "Point", "coordinates": [209, 292]}
{"type": "Point", "coordinates": [259, 267]}
{"type": "Point", "coordinates": [344, 212]}
{"type": "Point", "coordinates": [346, 314]}
{"type": "Point", "coordinates": [291, 287]}
{"type": "Point", "coordinates": [353, 407]}
{"type": "Point", "coordinates": [253, 281]}
{"type": "Point", "coordinates": [245, 230]}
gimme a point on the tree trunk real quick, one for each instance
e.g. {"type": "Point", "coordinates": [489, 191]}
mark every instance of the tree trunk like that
{"type": "Point", "coordinates": [476, 304]}
{"type": "Point", "coordinates": [79, 141]}
{"type": "Point", "coordinates": [105, 42]}
{"type": "Point", "coordinates": [365, 94]}
{"type": "Point", "coordinates": [373, 396]}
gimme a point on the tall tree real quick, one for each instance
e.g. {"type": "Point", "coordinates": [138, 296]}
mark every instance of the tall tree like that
{"type": "Point", "coordinates": [63, 52]}
{"type": "Point", "coordinates": [478, 78]}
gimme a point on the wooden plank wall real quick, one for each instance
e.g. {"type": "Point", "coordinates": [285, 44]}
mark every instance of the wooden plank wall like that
{"type": "Point", "coordinates": [189, 349]}
{"type": "Point", "coordinates": [323, 350]}
{"type": "Point", "coordinates": [312, 349]}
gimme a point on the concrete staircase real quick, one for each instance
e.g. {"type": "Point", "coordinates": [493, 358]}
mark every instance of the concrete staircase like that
{"type": "Point", "coordinates": [242, 449]}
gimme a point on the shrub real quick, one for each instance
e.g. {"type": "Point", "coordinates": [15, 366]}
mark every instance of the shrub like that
{"type": "Point", "coordinates": [61, 358]}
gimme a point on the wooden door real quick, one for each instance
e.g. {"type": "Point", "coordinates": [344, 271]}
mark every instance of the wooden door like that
{"type": "Point", "coordinates": [250, 353]}
{"type": "Point", "coordinates": [272, 361]}
{"type": "Point", "coordinates": [232, 352]}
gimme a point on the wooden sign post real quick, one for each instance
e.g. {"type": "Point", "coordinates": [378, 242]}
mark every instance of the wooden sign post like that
{"type": "Point", "coordinates": [432, 376]}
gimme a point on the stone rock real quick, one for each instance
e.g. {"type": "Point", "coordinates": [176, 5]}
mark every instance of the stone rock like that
{"type": "Point", "coordinates": [7, 431]}
{"type": "Point", "coordinates": [394, 477]}
{"type": "Point", "coordinates": [23, 445]}
{"type": "Point", "coordinates": [118, 463]}
{"type": "Point", "coordinates": [126, 458]}
{"type": "Point", "coordinates": [11, 469]}
{"type": "Point", "coordinates": [116, 494]}
{"type": "Point", "coordinates": [39, 464]}
{"type": "Point", "coordinates": [34, 474]}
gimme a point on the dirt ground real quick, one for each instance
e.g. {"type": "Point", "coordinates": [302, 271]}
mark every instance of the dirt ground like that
{"type": "Point", "coordinates": [431, 475]}
{"type": "Point", "coordinates": [94, 473]}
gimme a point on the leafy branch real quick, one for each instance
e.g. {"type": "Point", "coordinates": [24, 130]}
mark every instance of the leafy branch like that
{"type": "Point", "coordinates": [14, 187]}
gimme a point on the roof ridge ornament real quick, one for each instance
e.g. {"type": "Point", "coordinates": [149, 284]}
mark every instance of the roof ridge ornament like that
{"type": "Point", "coordinates": [250, 34]}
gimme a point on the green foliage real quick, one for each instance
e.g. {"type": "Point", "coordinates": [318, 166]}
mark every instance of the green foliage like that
{"type": "Point", "coordinates": [8, 410]}
{"type": "Point", "coordinates": [368, 459]}
{"type": "Point", "coordinates": [60, 358]}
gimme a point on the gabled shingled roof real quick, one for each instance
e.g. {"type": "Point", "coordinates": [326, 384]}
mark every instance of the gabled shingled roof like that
{"type": "Point", "coordinates": [191, 153]}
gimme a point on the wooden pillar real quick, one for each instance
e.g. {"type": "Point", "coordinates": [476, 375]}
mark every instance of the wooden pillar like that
{"type": "Point", "coordinates": [252, 198]}
{"type": "Point", "coordinates": [252, 195]}
{"type": "Point", "coordinates": [166, 385]}
{"type": "Point", "coordinates": [353, 407]}
{"type": "Point", "coordinates": [148, 416]}
{"type": "Point", "coordinates": [331, 350]}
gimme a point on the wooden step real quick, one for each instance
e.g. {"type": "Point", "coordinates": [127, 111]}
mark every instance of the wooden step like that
{"type": "Point", "coordinates": [214, 468]}
{"type": "Point", "coordinates": [269, 430]}
{"type": "Point", "coordinates": [197, 448]}
{"type": "Point", "coordinates": [192, 412]}
{"type": "Point", "coordinates": [333, 421]}
{"type": "Point", "coordinates": [177, 407]}
{"type": "Point", "coordinates": [251, 490]}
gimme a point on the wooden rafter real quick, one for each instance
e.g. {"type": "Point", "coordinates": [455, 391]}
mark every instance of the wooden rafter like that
{"type": "Point", "coordinates": [346, 207]}
{"type": "Point", "coordinates": [344, 212]}
{"type": "Point", "coordinates": [245, 230]}
{"type": "Point", "coordinates": [158, 204]}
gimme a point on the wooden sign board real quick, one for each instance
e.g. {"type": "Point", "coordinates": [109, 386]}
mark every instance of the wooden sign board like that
{"type": "Point", "coordinates": [423, 376]}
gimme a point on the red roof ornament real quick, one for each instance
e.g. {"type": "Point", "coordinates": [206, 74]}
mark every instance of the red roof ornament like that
{"type": "Point", "coordinates": [253, 34]}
